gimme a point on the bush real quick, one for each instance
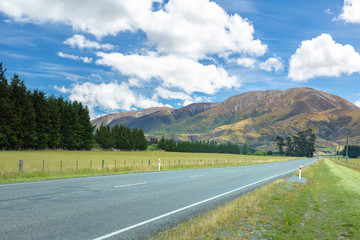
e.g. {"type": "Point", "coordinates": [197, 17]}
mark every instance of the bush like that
{"type": "Point", "coordinates": [260, 153]}
{"type": "Point", "coordinates": [153, 147]}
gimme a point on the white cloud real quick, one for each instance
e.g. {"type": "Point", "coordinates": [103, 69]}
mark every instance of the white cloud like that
{"type": "Point", "coordinates": [351, 11]}
{"type": "Point", "coordinates": [173, 72]}
{"type": "Point", "coordinates": [198, 28]}
{"type": "Point", "coordinates": [103, 18]}
{"type": "Point", "coordinates": [61, 89]}
{"type": "Point", "coordinates": [272, 64]}
{"type": "Point", "coordinates": [322, 56]}
{"type": "Point", "coordinates": [189, 28]}
{"type": "Point", "coordinates": [134, 82]}
{"type": "Point", "coordinates": [167, 94]}
{"type": "Point", "coordinates": [246, 62]}
{"type": "Point", "coordinates": [357, 103]}
{"type": "Point", "coordinates": [81, 42]}
{"type": "Point", "coordinates": [109, 97]}
{"type": "Point", "coordinates": [73, 57]}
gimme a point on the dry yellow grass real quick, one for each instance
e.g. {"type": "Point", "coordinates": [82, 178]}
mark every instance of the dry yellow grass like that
{"type": "Point", "coordinates": [55, 161]}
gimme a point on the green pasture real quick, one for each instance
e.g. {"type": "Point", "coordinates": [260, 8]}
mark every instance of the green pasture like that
{"type": "Point", "coordinates": [55, 164]}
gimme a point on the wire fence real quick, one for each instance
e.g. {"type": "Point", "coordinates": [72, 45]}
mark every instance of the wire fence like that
{"type": "Point", "coordinates": [30, 166]}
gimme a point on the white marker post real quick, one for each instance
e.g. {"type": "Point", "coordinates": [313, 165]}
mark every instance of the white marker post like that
{"type": "Point", "coordinates": [300, 172]}
{"type": "Point", "coordinates": [159, 164]}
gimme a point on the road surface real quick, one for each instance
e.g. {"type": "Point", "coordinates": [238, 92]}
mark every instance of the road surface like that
{"type": "Point", "coordinates": [128, 206]}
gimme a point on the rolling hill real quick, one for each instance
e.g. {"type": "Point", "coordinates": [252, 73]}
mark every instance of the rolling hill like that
{"type": "Point", "coordinates": [253, 117]}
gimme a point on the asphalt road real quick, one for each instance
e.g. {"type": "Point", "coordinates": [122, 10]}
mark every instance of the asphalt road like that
{"type": "Point", "coordinates": [127, 206]}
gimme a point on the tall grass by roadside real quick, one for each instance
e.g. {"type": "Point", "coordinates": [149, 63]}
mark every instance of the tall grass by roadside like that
{"type": "Point", "coordinates": [39, 165]}
{"type": "Point", "coordinates": [326, 207]}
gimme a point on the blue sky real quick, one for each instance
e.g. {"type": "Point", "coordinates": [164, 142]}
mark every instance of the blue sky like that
{"type": "Point", "coordinates": [129, 55]}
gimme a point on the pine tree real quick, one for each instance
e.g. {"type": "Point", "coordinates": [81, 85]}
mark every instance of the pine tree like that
{"type": "Point", "coordinates": [24, 118]}
{"type": "Point", "coordinates": [245, 149]}
{"type": "Point", "coordinates": [86, 128]}
{"type": "Point", "coordinates": [280, 143]}
{"type": "Point", "coordinates": [55, 123]}
{"type": "Point", "coordinates": [42, 112]}
{"type": "Point", "coordinates": [7, 126]}
{"type": "Point", "coordinates": [103, 137]}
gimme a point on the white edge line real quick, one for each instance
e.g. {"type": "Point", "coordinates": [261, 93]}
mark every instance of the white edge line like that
{"type": "Point", "coordinates": [129, 185]}
{"type": "Point", "coordinates": [197, 176]}
{"type": "Point", "coordinates": [190, 206]}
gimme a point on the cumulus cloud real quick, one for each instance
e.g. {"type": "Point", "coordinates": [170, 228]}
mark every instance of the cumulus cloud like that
{"type": "Point", "coordinates": [173, 72]}
{"type": "Point", "coordinates": [322, 56]}
{"type": "Point", "coordinates": [74, 57]}
{"type": "Point", "coordinates": [197, 28]}
{"type": "Point", "coordinates": [103, 18]}
{"type": "Point", "coordinates": [351, 11]}
{"type": "Point", "coordinates": [272, 64]}
{"type": "Point", "coordinates": [246, 62]}
{"type": "Point", "coordinates": [108, 97]}
{"type": "Point", "coordinates": [81, 42]}
{"type": "Point", "coordinates": [186, 28]}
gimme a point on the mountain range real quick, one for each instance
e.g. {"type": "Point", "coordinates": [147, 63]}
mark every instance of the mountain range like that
{"type": "Point", "coordinates": [253, 117]}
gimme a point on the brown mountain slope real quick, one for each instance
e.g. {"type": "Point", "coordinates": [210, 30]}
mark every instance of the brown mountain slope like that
{"type": "Point", "coordinates": [119, 118]}
{"type": "Point", "coordinates": [256, 117]}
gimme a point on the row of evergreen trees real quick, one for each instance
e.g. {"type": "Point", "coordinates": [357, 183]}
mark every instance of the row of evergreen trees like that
{"type": "Point", "coordinates": [200, 146]}
{"type": "Point", "coordinates": [353, 151]}
{"type": "Point", "coordinates": [300, 145]}
{"type": "Point", "coordinates": [120, 137]}
{"type": "Point", "coordinates": [30, 120]}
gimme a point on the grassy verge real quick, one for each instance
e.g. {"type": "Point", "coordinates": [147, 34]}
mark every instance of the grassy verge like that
{"type": "Point", "coordinates": [326, 207]}
{"type": "Point", "coordinates": [43, 165]}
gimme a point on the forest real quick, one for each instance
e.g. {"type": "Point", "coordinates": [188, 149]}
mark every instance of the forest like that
{"type": "Point", "coordinates": [120, 137]}
{"type": "Point", "coordinates": [31, 120]}
{"type": "Point", "coordinates": [200, 146]}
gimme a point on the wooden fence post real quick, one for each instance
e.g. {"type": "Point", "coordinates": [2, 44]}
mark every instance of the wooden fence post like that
{"type": "Point", "coordinates": [102, 164]}
{"type": "Point", "coordinates": [21, 165]}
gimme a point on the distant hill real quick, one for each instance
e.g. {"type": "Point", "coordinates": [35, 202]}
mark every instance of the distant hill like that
{"type": "Point", "coordinates": [253, 117]}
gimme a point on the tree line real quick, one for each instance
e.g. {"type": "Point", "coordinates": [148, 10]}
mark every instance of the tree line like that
{"type": "Point", "coordinates": [300, 145]}
{"type": "Point", "coordinates": [120, 137]}
{"type": "Point", "coordinates": [353, 151]}
{"type": "Point", "coordinates": [30, 120]}
{"type": "Point", "coordinates": [199, 146]}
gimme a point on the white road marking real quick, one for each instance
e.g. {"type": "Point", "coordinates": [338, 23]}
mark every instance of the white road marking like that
{"type": "Point", "coordinates": [197, 176]}
{"type": "Point", "coordinates": [189, 206]}
{"type": "Point", "coordinates": [229, 171]}
{"type": "Point", "coordinates": [130, 185]}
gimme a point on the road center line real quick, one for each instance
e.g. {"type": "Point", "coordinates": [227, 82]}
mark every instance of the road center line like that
{"type": "Point", "coordinates": [130, 185]}
{"type": "Point", "coordinates": [192, 205]}
{"type": "Point", "coordinates": [197, 176]}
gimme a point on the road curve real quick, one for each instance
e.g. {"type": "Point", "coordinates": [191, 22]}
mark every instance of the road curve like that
{"type": "Point", "coordinates": [128, 206]}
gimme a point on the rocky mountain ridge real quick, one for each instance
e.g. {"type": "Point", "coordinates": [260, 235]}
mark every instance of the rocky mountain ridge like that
{"type": "Point", "coordinates": [252, 117]}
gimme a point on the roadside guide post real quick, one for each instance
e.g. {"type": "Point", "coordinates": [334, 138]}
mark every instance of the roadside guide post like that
{"type": "Point", "coordinates": [300, 172]}
{"type": "Point", "coordinates": [159, 164]}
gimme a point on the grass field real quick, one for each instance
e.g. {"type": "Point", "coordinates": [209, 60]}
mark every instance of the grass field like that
{"type": "Point", "coordinates": [354, 162]}
{"type": "Point", "coordinates": [40, 165]}
{"type": "Point", "coordinates": [326, 207]}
